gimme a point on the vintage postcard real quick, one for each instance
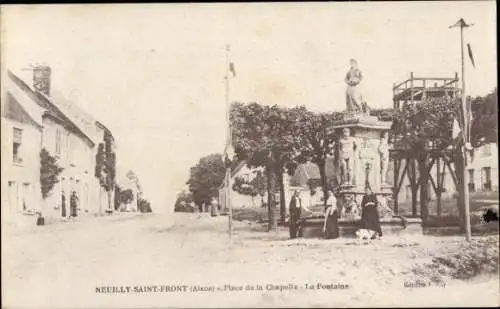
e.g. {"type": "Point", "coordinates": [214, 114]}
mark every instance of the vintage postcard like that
{"type": "Point", "coordinates": [245, 155]}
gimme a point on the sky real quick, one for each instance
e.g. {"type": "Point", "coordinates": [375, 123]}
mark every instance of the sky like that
{"type": "Point", "coordinates": [154, 74]}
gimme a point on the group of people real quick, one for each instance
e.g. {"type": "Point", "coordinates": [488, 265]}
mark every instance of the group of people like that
{"type": "Point", "coordinates": [369, 225]}
{"type": "Point", "coordinates": [73, 205]}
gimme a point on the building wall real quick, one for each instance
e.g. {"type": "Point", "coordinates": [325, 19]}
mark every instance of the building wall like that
{"type": "Point", "coordinates": [74, 155]}
{"type": "Point", "coordinates": [20, 179]}
{"type": "Point", "coordinates": [485, 158]}
{"type": "Point", "coordinates": [239, 200]}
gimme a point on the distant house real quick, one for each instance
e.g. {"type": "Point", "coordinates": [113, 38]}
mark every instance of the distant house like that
{"type": "Point", "coordinates": [307, 174]}
{"type": "Point", "coordinates": [239, 200]}
{"type": "Point", "coordinates": [483, 169]}
{"type": "Point", "coordinates": [307, 179]}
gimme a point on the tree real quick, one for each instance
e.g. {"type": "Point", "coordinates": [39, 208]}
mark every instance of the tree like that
{"type": "Point", "coordinates": [132, 176]}
{"type": "Point", "coordinates": [144, 206]}
{"type": "Point", "coordinates": [426, 122]}
{"type": "Point", "coordinates": [183, 200]}
{"type": "Point", "coordinates": [264, 135]}
{"type": "Point", "coordinates": [118, 190]}
{"type": "Point", "coordinates": [126, 196]}
{"type": "Point", "coordinates": [420, 126]}
{"type": "Point", "coordinates": [484, 127]}
{"type": "Point", "coordinates": [261, 185]}
{"type": "Point", "coordinates": [314, 143]}
{"type": "Point", "coordinates": [49, 172]}
{"type": "Point", "coordinates": [205, 179]}
{"type": "Point", "coordinates": [105, 169]}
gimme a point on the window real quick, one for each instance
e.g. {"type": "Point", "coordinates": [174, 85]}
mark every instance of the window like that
{"type": "Point", "coordinates": [486, 178]}
{"type": "Point", "coordinates": [16, 145]}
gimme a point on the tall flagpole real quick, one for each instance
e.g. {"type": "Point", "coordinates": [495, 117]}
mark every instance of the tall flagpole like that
{"type": "Point", "coordinates": [465, 132]}
{"type": "Point", "coordinates": [228, 145]}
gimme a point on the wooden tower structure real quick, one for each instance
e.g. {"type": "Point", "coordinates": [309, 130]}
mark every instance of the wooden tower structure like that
{"type": "Point", "coordinates": [417, 167]}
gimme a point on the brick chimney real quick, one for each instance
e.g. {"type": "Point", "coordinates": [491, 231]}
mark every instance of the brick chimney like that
{"type": "Point", "coordinates": [41, 79]}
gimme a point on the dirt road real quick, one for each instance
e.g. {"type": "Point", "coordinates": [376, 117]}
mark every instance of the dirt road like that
{"type": "Point", "coordinates": [187, 260]}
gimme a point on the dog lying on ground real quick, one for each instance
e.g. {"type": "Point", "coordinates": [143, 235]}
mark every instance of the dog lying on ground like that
{"type": "Point", "coordinates": [366, 234]}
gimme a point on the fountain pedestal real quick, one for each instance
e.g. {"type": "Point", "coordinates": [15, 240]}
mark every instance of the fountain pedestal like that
{"type": "Point", "coordinates": [363, 164]}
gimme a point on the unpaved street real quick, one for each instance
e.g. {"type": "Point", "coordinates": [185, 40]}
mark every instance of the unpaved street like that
{"type": "Point", "coordinates": [91, 263]}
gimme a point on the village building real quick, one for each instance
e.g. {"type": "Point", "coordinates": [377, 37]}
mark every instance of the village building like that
{"type": "Point", "coordinates": [36, 117]}
{"type": "Point", "coordinates": [22, 127]}
{"type": "Point", "coordinates": [239, 200]}
{"type": "Point", "coordinates": [483, 169]}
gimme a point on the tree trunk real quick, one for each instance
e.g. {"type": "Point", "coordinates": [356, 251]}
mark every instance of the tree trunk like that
{"type": "Point", "coordinates": [414, 187]}
{"type": "Point", "coordinates": [424, 210]}
{"type": "Point", "coordinates": [117, 198]}
{"type": "Point", "coordinates": [324, 182]}
{"type": "Point", "coordinates": [279, 174]}
{"type": "Point", "coordinates": [271, 202]}
{"type": "Point", "coordinates": [137, 201]}
{"type": "Point", "coordinates": [100, 200]}
{"type": "Point", "coordinates": [110, 209]}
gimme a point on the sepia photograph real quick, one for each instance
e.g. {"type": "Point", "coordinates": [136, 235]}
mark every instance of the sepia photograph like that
{"type": "Point", "coordinates": [249, 155]}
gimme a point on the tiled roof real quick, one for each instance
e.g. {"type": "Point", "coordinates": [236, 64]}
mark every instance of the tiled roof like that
{"type": "Point", "coordinates": [65, 110]}
{"type": "Point", "coordinates": [14, 110]}
{"type": "Point", "coordinates": [79, 116]}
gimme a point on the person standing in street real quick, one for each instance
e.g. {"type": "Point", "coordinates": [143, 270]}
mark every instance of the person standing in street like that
{"type": "Point", "coordinates": [63, 205]}
{"type": "Point", "coordinates": [369, 213]}
{"type": "Point", "coordinates": [214, 207]}
{"type": "Point", "coordinates": [73, 204]}
{"type": "Point", "coordinates": [295, 208]}
{"type": "Point", "coordinates": [330, 226]}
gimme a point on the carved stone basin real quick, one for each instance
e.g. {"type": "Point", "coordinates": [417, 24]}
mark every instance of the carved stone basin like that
{"type": "Point", "coordinates": [313, 228]}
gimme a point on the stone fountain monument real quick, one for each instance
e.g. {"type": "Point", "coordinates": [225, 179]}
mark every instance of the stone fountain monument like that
{"type": "Point", "coordinates": [361, 151]}
{"type": "Point", "coordinates": [361, 158]}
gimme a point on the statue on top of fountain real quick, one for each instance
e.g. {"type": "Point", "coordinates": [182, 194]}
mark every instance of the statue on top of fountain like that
{"type": "Point", "coordinates": [355, 102]}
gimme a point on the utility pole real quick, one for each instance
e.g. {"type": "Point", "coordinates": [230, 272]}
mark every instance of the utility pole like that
{"type": "Point", "coordinates": [228, 148]}
{"type": "Point", "coordinates": [465, 133]}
